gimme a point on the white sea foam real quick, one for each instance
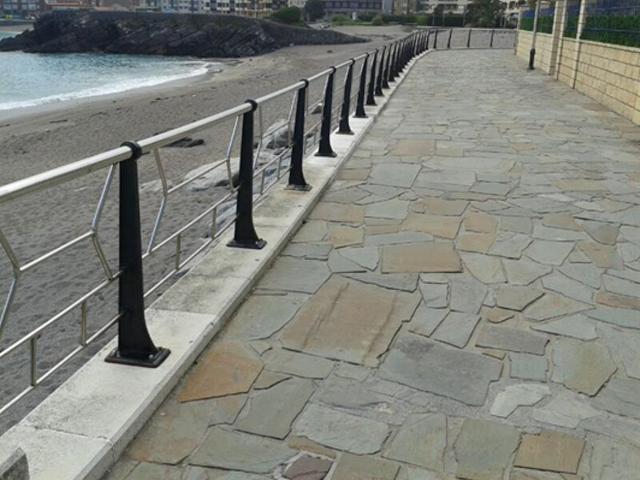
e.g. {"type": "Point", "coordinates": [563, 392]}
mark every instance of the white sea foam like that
{"type": "Point", "coordinates": [190, 69]}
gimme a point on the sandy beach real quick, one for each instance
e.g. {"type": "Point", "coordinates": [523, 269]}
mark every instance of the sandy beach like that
{"type": "Point", "coordinates": [37, 139]}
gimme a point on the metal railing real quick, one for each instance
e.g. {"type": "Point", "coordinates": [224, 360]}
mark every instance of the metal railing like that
{"type": "Point", "coordinates": [356, 83]}
{"type": "Point", "coordinates": [455, 38]}
{"type": "Point", "coordinates": [363, 78]}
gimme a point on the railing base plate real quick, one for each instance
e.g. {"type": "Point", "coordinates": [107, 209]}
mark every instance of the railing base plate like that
{"type": "Point", "coordinates": [258, 244]}
{"type": "Point", "coordinates": [152, 361]}
{"type": "Point", "coordinates": [299, 188]}
{"type": "Point", "coordinates": [331, 154]}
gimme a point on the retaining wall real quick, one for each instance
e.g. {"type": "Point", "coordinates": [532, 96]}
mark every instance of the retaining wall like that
{"type": "Point", "coordinates": [610, 74]}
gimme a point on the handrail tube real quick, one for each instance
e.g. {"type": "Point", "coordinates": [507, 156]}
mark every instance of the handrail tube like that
{"type": "Point", "coordinates": [62, 174]}
{"type": "Point", "coordinates": [283, 91]}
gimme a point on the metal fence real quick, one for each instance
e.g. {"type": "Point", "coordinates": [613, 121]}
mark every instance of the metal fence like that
{"type": "Point", "coordinates": [265, 156]}
{"type": "Point", "coordinates": [613, 21]}
{"type": "Point", "coordinates": [545, 20]}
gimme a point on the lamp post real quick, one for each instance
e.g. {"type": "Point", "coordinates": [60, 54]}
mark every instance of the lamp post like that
{"type": "Point", "coordinates": [532, 52]}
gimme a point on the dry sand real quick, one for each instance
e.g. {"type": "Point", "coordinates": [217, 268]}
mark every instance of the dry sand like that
{"type": "Point", "coordinates": [39, 139]}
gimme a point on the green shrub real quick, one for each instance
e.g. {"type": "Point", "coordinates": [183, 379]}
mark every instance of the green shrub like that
{"type": "Point", "coordinates": [422, 20]}
{"type": "Point", "coordinates": [367, 16]}
{"type": "Point", "coordinates": [377, 20]}
{"type": "Point", "coordinates": [288, 15]}
{"type": "Point", "coordinates": [340, 20]}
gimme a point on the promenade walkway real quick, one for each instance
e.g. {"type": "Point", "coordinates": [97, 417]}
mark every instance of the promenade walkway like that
{"type": "Point", "coordinates": [462, 303]}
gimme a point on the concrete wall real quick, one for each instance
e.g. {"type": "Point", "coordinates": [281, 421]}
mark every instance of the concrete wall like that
{"type": "Point", "coordinates": [610, 74]}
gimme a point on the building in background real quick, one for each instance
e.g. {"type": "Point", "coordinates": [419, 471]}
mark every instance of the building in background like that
{"type": "Point", "coordinates": [20, 8]}
{"type": "Point", "coordinates": [351, 7]}
{"type": "Point", "coordinates": [185, 6]}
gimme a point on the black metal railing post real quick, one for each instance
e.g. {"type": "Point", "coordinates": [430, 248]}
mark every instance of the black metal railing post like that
{"type": "Point", "coordinates": [379, 92]}
{"type": "Point", "coordinates": [325, 149]}
{"type": "Point", "coordinates": [435, 40]}
{"type": "Point", "coordinates": [491, 42]}
{"type": "Point", "coordinates": [344, 127]}
{"type": "Point", "coordinates": [469, 39]}
{"type": "Point", "coordinates": [371, 97]}
{"type": "Point", "coordinates": [296, 173]}
{"type": "Point", "coordinates": [135, 346]}
{"type": "Point", "coordinates": [393, 68]}
{"type": "Point", "coordinates": [428, 39]}
{"type": "Point", "coordinates": [449, 39]}
{"type": "Point", "coordinates": [362, 89]}
{"type": "Point", "coordinates": [387, 68]}
{"type": "Point", "coordinates": [245, 235]}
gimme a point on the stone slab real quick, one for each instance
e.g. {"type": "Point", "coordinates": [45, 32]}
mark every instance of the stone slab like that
{"type": "Point", "coordinates": [345, 320]}
{"type": "Point", "coordinates": [553, 451]}
{"type": "Point", "coordinates": [582, 367]}
{"type": "Point", "coordinates": [421, 440]}
{"type": "Point", "coordinates": [515, 396]}
{"type": "Point", "coordinates": [240, 451]}
{"type": "Point", "coordinates": [271, 412]}
{"type": "Point", "coordinates": [341, 431]}
{"type": "Point", "coordinates": [428, 366]}
{"type": "Point", "coordinates": [456, 328]}
{"type": "Point", "coordinates": [227, 369]}
{"type": "Point", "coordinates": [511, 339]}
{"type": "Point", "coordinates": [483, 449]}
{"type": "Point", "coordinates": [356, 467]}
{"type": "Point", "coordinates": [420, 258]}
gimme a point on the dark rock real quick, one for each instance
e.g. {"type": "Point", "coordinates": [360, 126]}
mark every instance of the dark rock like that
{"type": "Point", "coordinates": [186, 142]}
{"type": "Point", "coordinates": [164, 34]}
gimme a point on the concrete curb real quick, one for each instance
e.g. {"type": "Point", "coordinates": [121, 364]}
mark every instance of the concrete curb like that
{"type": "Point", "coordinates": [81, 429]}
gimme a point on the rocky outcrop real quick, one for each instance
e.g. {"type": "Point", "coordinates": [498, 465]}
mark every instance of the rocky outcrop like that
{"type": "Point", "coordinates": [221, 36]}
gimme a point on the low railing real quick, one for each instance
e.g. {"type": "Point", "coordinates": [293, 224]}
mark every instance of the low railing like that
{"type": "Point", "coordinates": [454, 38]}
{"type": "Point", "coordinates": [363, 78]}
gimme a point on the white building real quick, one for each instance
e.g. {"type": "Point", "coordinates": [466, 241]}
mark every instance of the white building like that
{"type": "Point", "coordinates": [186, 6]}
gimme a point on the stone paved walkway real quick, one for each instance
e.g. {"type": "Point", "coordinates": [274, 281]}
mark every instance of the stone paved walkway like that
{"type": "Point", "coordinates": [463, 303]}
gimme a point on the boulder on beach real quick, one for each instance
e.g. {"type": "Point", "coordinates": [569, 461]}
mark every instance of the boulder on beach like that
{"type": "Point", "coordinates": [221, 36]}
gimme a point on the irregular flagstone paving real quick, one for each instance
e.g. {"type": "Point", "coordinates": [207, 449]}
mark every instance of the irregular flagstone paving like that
{"type": "Point", "coordinates": [464, 302]}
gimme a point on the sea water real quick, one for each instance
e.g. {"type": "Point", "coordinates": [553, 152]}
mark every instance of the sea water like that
{"type": "Point", "coordinates": [31, 79]}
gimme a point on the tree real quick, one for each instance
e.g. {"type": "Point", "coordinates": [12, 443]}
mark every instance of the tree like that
{"type": "Point", "coordinates": [485, 13]}
{"type": "Point", "coordinates": [314, 9]}
{"type": "Point", "coordinates": [288, 15]}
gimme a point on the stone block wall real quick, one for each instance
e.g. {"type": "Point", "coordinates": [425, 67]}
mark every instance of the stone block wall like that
{"type": "Point", "coordinates": [610, 74]}
{"type": "Point", "coordinates": [543, 48]}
